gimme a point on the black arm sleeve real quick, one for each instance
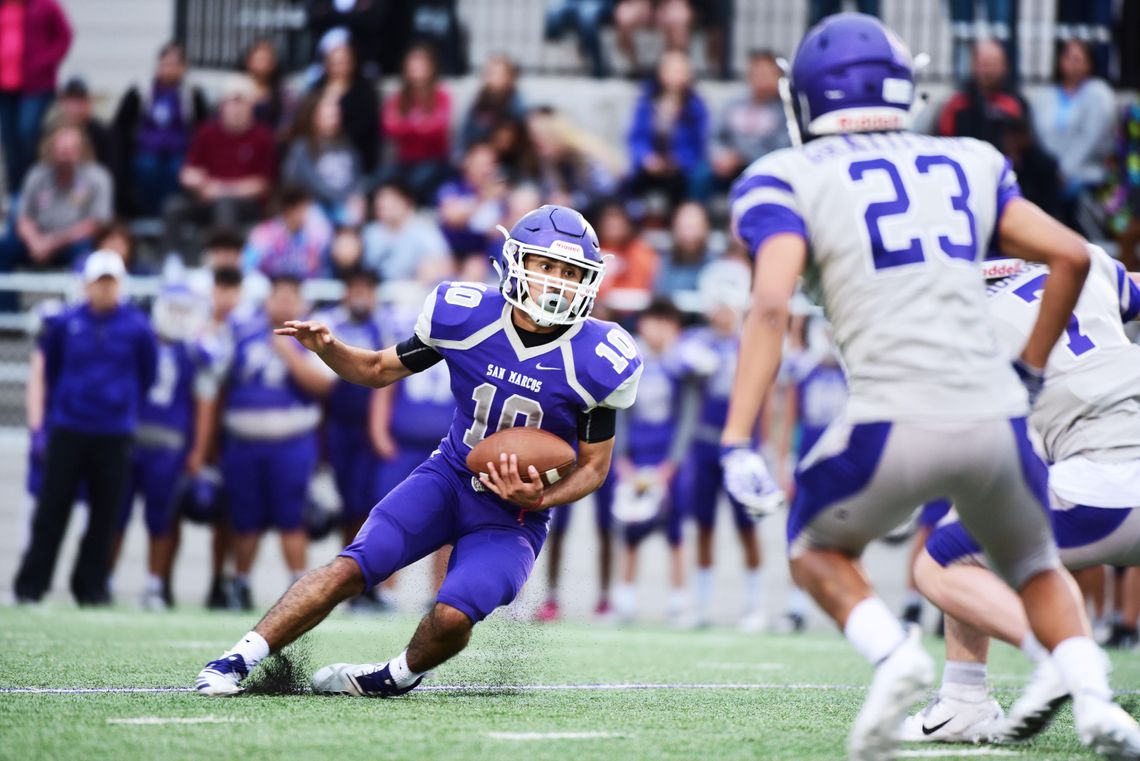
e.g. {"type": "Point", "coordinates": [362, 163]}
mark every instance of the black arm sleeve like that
{"type": "Point", "coordinates": [599, 424]}
{"type": "Point", "coordinates": [416, 355]}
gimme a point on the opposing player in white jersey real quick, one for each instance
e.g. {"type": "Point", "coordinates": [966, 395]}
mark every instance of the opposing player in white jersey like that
{"type": "Point", "coordinates": [1088, 417]}
{"type": "Point", "coordinates": [897, 223]}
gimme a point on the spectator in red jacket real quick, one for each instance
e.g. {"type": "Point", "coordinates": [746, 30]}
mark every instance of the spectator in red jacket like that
{"type": "Point", "coordinates": [986, 104]}
{"type": "Point", "coordinates": [34, 40]}
{"type": "Point", "coordinates": [228, 171]}
{"type": "Point", "coordinates": [418, 120]}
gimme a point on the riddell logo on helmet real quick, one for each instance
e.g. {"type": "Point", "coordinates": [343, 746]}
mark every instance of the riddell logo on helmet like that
{"type": "Point", "coordinates": [999, 268]}
{"type": "Point", "coordinates": [868, 122]}
{"type": "Point", "coordinates": [566, 247]}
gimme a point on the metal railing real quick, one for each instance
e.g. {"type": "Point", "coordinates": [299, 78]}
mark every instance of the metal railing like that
{"type": "Point", "coordinates": [216, 33]}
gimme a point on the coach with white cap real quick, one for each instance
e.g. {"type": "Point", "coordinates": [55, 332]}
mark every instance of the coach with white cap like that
{"type": "Point", "coordinates": [99, 361]}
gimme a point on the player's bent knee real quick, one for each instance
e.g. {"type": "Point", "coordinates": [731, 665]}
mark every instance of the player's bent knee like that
{"type": "Point", "coordinates": [1018, 574]}
{"type": "Point", "coordinates": [345, 576]}
{"type": "Point", "coordinates": [451, 621]}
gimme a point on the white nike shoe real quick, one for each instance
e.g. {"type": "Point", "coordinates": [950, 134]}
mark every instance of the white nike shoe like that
{"type": "Point", "coordinates": [753, 623]}
{"type": "Point", "coordinates": [1106, 728]}
{"type": "Point", "coordinates": [1035, 708]}
{"type": "Point", "coordinates": [952, 720]}
{"type": "Point", "coordinates": [153, 600]}
{"type": "Point", "coordinates": [360, 679]}
{"type": "Point", "coordinates": [222, 678]}
{"type": "Point", "coordinates": [899, 682]}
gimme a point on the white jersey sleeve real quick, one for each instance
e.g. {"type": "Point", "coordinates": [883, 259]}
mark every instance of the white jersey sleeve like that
{"type": "Point", "coordinates": [1090, 405]}
{"type": "Point", "coordinates": [896, 224]}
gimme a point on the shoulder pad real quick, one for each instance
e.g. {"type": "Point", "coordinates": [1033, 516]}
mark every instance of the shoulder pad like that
{"type": "Point", "coordinates": [604, 364]}
{"type": "Point", "coordinates": [457, 313]}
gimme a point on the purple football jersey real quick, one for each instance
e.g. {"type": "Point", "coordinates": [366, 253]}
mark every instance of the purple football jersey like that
{"type": "Point", "coordinates": [423, 407]}
{"type": "Point", "coordinates": [499, 383]}
{"type": "Point", "coordinates": [169, 404]}
{"type": "Point", "coordinates": [652, 420]}
{"type": "Point", "coordinates": [256, 377]}
{"type": "Point", "coordinates": [711, 356]}
{"type": "Point", "coordinates": [349, 402]}
{"type": "Point", "coordinates": [822, 391]}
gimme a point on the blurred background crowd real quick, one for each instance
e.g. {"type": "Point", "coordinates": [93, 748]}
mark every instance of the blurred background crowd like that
{"type": "Point", "coordinates": [347, 155]}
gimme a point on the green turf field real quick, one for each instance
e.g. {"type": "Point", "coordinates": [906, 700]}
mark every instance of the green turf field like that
{"type": "Point", "coordinates": [783, 697]}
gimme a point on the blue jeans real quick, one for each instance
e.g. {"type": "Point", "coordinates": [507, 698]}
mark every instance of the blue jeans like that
{"type": "Point", "coordinates": [21, 116]}
{"type": "Point", "coordinates": [585, 18]}
{"type": "Point", "coordinates": [154, 178]}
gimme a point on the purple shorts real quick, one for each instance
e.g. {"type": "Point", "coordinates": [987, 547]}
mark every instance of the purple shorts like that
{"type": "Point", "coordinates": [701, 485]}
{"type": "Point", "coordinates": [354, 465]}
{"type": "Point", "coordinates": [267, 482]}
{"type": "Point", "coordinates": [933, 512]}
{"type": "Point", "coordinates": [154, 475]}
{"type": "Point", "coordinates": [603, 509]}
{"type": "Point", "coordinates": [493, 553]}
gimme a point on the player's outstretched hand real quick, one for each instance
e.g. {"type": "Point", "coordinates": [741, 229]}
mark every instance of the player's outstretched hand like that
{"type": "Point", "coordinates": [314, 336]}
{"type": "Point", "coordinates": [504, 480]}
{"type": "Point", "coordinates": [747, 480]}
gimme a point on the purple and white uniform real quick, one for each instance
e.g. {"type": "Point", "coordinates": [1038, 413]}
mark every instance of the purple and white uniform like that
{"type": "Point", "coordinates": [658, 428]}
{"type": "Point", "coordinates": [710, 357]}
{"type": "Point", "coordinates": [269, 448]}
{"type": "Point", "coordinates": [348, 448]}
{"type": "Point", "coordinates": [422, 411]}
{"type": "Point", "coordinates": [165, 433]}
{"type": "Point", "coordinates": [821, 388]}
{"type": "Point", "coordinates": [497, 382]}
{"type": "Point", "coordinates": [1088, 416]}
{"type": "Point", "coordinates": [898, 223]}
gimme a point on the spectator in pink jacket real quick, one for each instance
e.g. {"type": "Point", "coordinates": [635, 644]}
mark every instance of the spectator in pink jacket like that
{"type": "Point", "coordinates": [417, 119]}
{"type": "Point", "coordinates": [34, 40]}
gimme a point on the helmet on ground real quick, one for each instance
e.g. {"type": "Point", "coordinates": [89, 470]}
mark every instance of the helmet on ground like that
{"type": "Point", "coordinates": [851, 74]}
{"type": "Point", "coordinates": [561, 234]}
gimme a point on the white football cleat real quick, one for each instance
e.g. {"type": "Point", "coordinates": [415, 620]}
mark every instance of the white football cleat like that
{"type": "Point", "coordinates": [900, 681]}
{"type": "Point", "coordinates": [753, 623]}
{"type": "Point", "coordinates": [153, 600]}
{"type": "Point", "coordinates": [1035, 708]}
{"type": "Point", "coordinates": [1106, 728]}
{"type": "Point", "coordinates": [222, 677]}
{"type": "Point", "coordinates": [952, 720]}
{"type": "Point", "coordinates": [359, 679]}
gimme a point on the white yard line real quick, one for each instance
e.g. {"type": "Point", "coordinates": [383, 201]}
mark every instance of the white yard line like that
{"type": "Point", "coordinates": [551, 735]}
{"type": "Point", "coordinates": [952, 753]}
{"type": "Point", "coordinates": [153, 720]}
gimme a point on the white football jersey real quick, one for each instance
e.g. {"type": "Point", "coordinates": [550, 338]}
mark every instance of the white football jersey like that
{"type": "Point", "coordinates": [1091, 401]}
{"type": "Point", "coordinates": [896, 224]}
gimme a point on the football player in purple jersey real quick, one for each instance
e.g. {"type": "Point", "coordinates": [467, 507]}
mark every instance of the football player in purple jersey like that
{"type": "Point", "coordinates": [272, 392]}
{"type": "Point", "coordinates": [655, 436]}
{"type": "Point", "coordinates": [527, 353]}
{"type": "Point", "coordinates": [166, 433]}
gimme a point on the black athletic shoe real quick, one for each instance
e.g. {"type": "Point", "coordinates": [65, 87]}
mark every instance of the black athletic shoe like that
{"type": "Point", "coordinates": [244, 598]}
{"type": "Point", "coordinates": [219, 597]}
{"type": "Point", "coordinates": [370, 602]}
{"type": "Point", "coordinates": [912, 614]}
{"type": "Point", "coordinates": [1122, 637]}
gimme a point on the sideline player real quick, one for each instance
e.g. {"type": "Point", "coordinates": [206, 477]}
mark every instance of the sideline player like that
{"type": "Point", "coordinates": [897, 223]}
{"type": "Point", "coordinates": [1088, 416]}
{"type": "Point", "coordinates": [525, 354]}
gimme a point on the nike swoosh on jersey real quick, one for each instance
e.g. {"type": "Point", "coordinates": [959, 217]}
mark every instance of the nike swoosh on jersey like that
{"type": "Point", "coordinates": [931, 730]}
{"type": "Point", "coordinates": [540, 367]}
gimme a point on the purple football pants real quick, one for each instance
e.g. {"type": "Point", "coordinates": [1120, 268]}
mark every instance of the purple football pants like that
{"type": "Point", "coordinates": [493, 553]}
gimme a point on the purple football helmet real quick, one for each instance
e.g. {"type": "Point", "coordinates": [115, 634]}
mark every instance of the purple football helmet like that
{"type": "Point", "coordinates": [562, 234]}
{"type": "Point", "coordinates": [851, 74]}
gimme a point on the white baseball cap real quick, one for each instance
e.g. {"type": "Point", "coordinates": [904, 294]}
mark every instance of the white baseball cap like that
{"type": "Point", "coordinates": [104, 263]}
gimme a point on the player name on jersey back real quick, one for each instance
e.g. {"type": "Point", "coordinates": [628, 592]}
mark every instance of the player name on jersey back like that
{"type": "Point", "coordinates": [896, 224]}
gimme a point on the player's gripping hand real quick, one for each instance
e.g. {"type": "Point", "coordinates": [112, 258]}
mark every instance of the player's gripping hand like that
{"type": "Point", "coordinates": [747, 480]}
{"type": "Point", "coordinates": [504, 480]}
{"type": "Point", "coordinates": [1031, 377]}
{"type": "Point", "coordinates": [314, 336]}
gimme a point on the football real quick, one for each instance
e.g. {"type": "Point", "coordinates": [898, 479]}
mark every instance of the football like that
{"type": "Point", "coordinates": [552, 456]}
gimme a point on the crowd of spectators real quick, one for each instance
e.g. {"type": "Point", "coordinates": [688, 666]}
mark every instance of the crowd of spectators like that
{"type": "Point", "coordinates": [329, 170]}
